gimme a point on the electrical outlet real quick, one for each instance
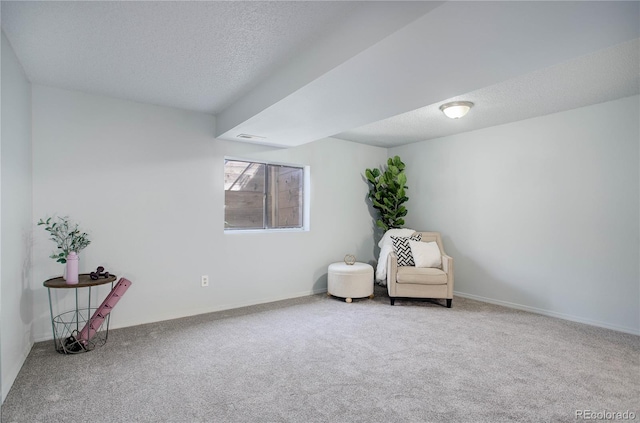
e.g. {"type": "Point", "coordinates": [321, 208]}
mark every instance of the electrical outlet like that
{"type": "Point", "coordinates": [204, 280]}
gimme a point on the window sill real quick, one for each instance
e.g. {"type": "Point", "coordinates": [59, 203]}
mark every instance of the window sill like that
{"type": "Point", "coordinates": [264, 231]}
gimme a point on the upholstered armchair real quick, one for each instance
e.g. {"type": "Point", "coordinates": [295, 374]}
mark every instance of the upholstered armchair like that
{"type": "Point", "coordinates": [421, 282]}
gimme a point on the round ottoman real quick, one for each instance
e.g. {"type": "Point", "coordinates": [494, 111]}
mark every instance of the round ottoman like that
{"type": "Point", "coordinates": [350, 281]}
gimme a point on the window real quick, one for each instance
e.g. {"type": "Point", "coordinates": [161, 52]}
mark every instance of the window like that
{"type": "Point", "coordinates": [262, 195]}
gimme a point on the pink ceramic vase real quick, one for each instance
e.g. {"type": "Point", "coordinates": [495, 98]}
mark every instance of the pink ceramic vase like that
{"type": "Point", "coordinates": [72, 268]}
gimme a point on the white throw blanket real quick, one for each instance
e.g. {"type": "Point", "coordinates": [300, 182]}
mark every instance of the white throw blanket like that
{"type": "Point", "coordinates": [386, 247]}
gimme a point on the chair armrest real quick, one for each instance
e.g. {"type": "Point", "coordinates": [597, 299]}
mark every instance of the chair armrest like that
{"type": "Point", "coordinates": [447, 263]}
{"type": "Point", "coordinates": [447, 267]}
{"type": "Point", "coordinates": [392, 270]}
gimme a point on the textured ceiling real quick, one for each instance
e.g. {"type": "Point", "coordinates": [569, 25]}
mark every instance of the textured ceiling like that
{"type": "Point", "coordinates": [293, 72]}
{"type": "Point", "coordinates": [594, 78]}
{"type": "Point", "coordinates": [426, 62]}
{"type": "Point", "coordinates": [194, 55]}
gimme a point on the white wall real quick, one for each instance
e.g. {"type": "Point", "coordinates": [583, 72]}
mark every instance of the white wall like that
{"type": "Point", "coordinates": [540, 214]}
{"type": "Point", "coordinates": [15, 223]}
{"type": "Point", "coordinates": [147, 182]}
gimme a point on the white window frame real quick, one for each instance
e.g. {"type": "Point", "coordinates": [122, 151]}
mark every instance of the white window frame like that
{"type": "Point", "coordinates": [306, 198]}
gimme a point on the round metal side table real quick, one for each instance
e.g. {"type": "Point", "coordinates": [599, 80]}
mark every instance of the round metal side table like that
{"type": "Point", "coordinates": [66, 326]}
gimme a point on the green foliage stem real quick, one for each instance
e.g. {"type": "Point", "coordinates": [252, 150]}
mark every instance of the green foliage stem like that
{"type": "Point", "coordinates": [66, 235]}
{"type": "Point", "coordinates": [387, 192]}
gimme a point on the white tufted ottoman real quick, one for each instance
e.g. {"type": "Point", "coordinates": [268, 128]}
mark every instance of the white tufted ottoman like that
{"type": "Point", "coordinates": [350, 281]}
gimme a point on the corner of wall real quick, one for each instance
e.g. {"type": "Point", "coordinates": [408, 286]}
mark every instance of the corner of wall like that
{"type": "Point", "coordinates": [16, 215]}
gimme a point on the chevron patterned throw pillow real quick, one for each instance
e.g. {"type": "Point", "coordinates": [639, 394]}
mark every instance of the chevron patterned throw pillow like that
{"type": "Point", "coordinates": [403, 249]}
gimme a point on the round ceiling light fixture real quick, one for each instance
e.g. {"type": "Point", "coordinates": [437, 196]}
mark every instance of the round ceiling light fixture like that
{"type": "Point", "coordinates": [456, 109]}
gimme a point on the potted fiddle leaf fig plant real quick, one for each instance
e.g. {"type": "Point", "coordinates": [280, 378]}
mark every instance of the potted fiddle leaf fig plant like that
{"type": "Point", "coordinates": [67, 236]}
{"type": "Point", "coordinates": [387, 192]}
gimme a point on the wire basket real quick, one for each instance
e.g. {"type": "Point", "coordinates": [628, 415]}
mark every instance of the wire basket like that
{"type": "Point", "coordinates": [67, 327]}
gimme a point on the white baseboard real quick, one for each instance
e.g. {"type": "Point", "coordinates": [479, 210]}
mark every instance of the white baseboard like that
{"type": "Point", "coordinates": [191, 312]}
{"type": "Point", "coordinates": [48, 336]}
{"type": "Point", "coordinates": [549, 313]}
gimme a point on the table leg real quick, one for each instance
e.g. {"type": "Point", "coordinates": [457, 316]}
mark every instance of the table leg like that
{"type": "Point", "coordinates": [89, 306]}
{"type": "Point", "coordinates": [53, 325]}
{"type": "Point", "coordinates": [77, 313]}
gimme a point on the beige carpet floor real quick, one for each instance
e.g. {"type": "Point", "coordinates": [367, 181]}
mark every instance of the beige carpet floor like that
{"type": "Point", "coordinates": [318, 359]}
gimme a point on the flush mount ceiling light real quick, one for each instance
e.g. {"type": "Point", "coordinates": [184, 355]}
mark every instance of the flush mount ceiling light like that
{"type": "Point", "coordinates": [456, 109]}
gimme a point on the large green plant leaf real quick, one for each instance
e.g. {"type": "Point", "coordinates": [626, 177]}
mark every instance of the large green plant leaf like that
{"type": "Point", "coordinates": [381, 206]}
{"type": "Point", "coordinates": [369, 174]}
{"type": "Point", "coordinates": [382, 225]}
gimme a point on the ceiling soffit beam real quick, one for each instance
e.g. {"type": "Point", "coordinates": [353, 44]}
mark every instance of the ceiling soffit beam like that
{"type": "Point", "coordinates": [456, 48]}
{"type": "Point", "coordinates": [370, 23]}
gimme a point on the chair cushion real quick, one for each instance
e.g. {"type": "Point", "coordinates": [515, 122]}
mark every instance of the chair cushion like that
{"type": "Point", "coordinates": [403, 250]}
{"type": "Point", "coordinates": [421, 275]}
{"type": "Point", "coordinates": [426, 254]}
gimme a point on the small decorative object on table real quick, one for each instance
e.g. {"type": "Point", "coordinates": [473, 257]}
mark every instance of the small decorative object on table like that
{"type": "Point", "coordinates": [72, 268]}
{"type": "Point", "coordinates": [99, 273]}
{"type": "Point", "coordinates": [350, 259]}
{"type": "Point", "coordinates": [69, 239]}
